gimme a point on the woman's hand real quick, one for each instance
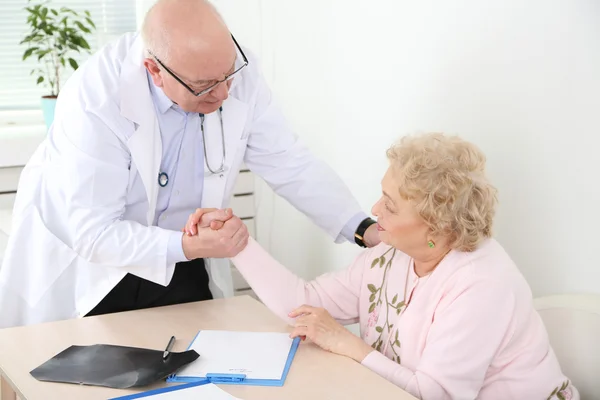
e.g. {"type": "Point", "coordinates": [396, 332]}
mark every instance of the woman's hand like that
{"type": "Point", "coordinates": [319, 326]}
{"type": "Point", "coordinates": [215, 219]}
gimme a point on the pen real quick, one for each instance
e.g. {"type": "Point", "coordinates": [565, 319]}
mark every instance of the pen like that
{"type": "Point", "coordinates": [169, 347]}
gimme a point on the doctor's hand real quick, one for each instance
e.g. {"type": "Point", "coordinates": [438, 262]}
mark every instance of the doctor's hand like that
{"type": "Point", "coordinates": [317, 325]}
{"type": "Point", "coordinates": [219, 234]}
{"type": "Point", "coordinates": [371, 237]}
{"type": "Point", "coordinates": [213, 220]}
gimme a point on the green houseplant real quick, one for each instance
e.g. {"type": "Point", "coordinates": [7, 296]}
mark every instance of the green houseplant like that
{"type": "Point", "coordinates": [54, 36]}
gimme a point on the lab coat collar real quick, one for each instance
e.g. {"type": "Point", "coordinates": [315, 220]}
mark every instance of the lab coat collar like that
{"type": "Point", "coordinates": [136, 99]}
{"type": "Point", "coordinates": [162, 102]}
{"type": "Point", "coordinates": [137, 105]}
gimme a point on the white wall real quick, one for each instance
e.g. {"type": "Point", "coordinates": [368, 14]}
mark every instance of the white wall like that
{"type": "Point", "coordinates": [521, 79]}
{"type": "Point", "coordinates": [303, 77]}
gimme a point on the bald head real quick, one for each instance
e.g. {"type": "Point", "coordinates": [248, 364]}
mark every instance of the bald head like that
{"type": "Point", "coordinates": [196, 52]}
{"type": "Point", "coordinates": [184, 28]}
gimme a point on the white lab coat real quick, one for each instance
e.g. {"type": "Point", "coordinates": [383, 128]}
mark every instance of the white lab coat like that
{"type": "Point", "coordinates": [70, 244]}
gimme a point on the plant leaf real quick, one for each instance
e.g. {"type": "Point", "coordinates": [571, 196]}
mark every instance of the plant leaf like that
{"type": "Point", "coordinates": [73, 64]}
{"type": "Point", "coordinates": [371, 288]}
{"type": "Point", "coordinates": [29, 38]}
{"type": "Point", "coordinates": [560, 396]}
{"type": "Point", "coordinates": [396, 339]}
{"type": "Point", "coordinates": [372, 308]}
{"type": "Point", "coordinates": [397, 343]}
{"type": "Point", "coordinates": [82, 27]}
{"type": "Point", "coordinates": [397, 311]}
{"type": "Point", "coordinates": [53, 11]}
{"type": "Point", "coordinates": [379, 329]}
{"type": "Point", "coordinates": [83, 43]}
{"type": "Point", "coordinates": [374, 263]}
{"type": "Point", "coordinates": [28, 52]}
{"type": "Point", "coordinates": [42, 54]}
{"type": "Point", "coordinates": [379, 346]}
{"type": "Point", "coordinates": [564, 385]}
{"type": "Point", "coordinates": [372, 297]}
{"type": "Point", "coordinates": [394, 299]}
{"type": "Point", "coordinates": [89, 21]}
{"type": "Point", "coordinates": [40, 80]}
{"type": "Point", "coordinates": [381, 261]}
{"type": "Point", "coordinates": [400, 305]}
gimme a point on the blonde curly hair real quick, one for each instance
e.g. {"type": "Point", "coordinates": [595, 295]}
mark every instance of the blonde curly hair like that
{"type": "Point", "coordinates": [444, 178]}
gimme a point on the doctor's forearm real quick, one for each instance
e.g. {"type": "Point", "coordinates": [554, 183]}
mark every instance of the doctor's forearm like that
{"type": "Point", "coordinates": [126, 244]}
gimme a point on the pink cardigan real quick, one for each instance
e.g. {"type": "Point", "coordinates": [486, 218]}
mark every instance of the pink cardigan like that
{"type": "Point", "coordinates": [469, 332]}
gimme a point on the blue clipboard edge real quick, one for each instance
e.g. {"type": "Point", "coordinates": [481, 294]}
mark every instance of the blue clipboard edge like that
{"type": "Point", "coordinates": [154, 392]}
{"type": "Point", "coordinates": [253, 382]}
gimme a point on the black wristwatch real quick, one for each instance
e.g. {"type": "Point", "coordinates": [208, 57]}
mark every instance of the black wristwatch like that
{"type": "Point", "coordinates": [360, 231]}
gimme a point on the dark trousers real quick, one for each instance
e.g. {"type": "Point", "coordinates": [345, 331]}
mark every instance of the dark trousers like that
{"type": "Point", "coordinates": [189, 283]}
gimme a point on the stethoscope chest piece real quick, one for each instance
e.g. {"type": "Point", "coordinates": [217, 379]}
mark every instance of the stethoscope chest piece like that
{"type": "Point", "coordinates": [163, 179]}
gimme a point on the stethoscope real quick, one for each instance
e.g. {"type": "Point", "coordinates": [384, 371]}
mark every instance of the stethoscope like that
{"type": "Point", "coordinates": [163, 177]}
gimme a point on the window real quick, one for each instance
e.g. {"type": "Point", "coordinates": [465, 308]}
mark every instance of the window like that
{"type": "Point", "coordinates": [18, 90]}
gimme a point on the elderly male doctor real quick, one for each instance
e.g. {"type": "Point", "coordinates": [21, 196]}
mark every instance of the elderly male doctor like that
{"type": "Point", "coordinates": [149, 129]}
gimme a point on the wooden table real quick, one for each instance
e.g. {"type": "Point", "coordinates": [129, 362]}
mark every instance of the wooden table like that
{"type": "Point", "coordinates": [315, 374]}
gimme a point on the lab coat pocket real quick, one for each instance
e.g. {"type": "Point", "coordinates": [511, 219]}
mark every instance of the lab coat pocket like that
{"type": "Point", "coordinates": [35, 258]}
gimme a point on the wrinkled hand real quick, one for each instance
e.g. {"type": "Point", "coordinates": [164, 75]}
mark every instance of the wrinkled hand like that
{"type": "Point", "coordinates": [218, 234]}
{"type": "Point", "coordinates": [371, 237]}
{"type": "Point", "coordinates": [321, 328]}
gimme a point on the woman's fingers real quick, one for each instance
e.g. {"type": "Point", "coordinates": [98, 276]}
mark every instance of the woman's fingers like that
{"type": "Point", "coordinates": [299, 331]}
{"type": "Point", "coordinates": [305, 309]}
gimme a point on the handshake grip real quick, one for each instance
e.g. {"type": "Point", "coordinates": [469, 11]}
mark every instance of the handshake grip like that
{"type": "Point", "coordinates": [214, 233]}
{"type": "Point", "coordinates": [213, 218]}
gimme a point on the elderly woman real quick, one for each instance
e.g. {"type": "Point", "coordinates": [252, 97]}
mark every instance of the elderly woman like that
{"type": "Point", "coordinates": [444, 312]}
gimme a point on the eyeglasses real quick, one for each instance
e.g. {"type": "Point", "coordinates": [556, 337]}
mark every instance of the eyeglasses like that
{"type": "Point", "coordinates": [213, 84]}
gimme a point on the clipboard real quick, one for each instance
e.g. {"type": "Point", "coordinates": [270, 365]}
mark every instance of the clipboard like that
{"type": "Point", "coordinates": [168, 392]}
{"type": "Point", "coordinates": [269, 346]}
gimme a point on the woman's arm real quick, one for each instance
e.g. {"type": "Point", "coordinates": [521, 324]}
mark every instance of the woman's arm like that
{"type": "Point", "coordinates": [282, 291]}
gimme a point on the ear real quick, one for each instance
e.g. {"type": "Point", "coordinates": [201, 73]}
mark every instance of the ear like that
{"type": "Point", "coordinates": [154, 71]}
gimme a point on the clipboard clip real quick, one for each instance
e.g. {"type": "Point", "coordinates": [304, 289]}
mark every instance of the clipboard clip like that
{"type": "Point", "coordinates": [225, 378]}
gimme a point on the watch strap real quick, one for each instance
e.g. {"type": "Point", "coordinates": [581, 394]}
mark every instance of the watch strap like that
{"type": "Point", "coordinates": [360, 231]}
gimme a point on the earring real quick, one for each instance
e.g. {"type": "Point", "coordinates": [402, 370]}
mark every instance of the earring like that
{"type": "Point", "coordinates": [431, 244]}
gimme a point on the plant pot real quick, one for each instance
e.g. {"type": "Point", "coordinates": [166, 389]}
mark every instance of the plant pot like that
{"type": "Point", "coordinates": [48, 104]}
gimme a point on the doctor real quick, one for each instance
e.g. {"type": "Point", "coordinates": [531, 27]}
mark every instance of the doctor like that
{"type": "Point", "coordinates": [149, 129]}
